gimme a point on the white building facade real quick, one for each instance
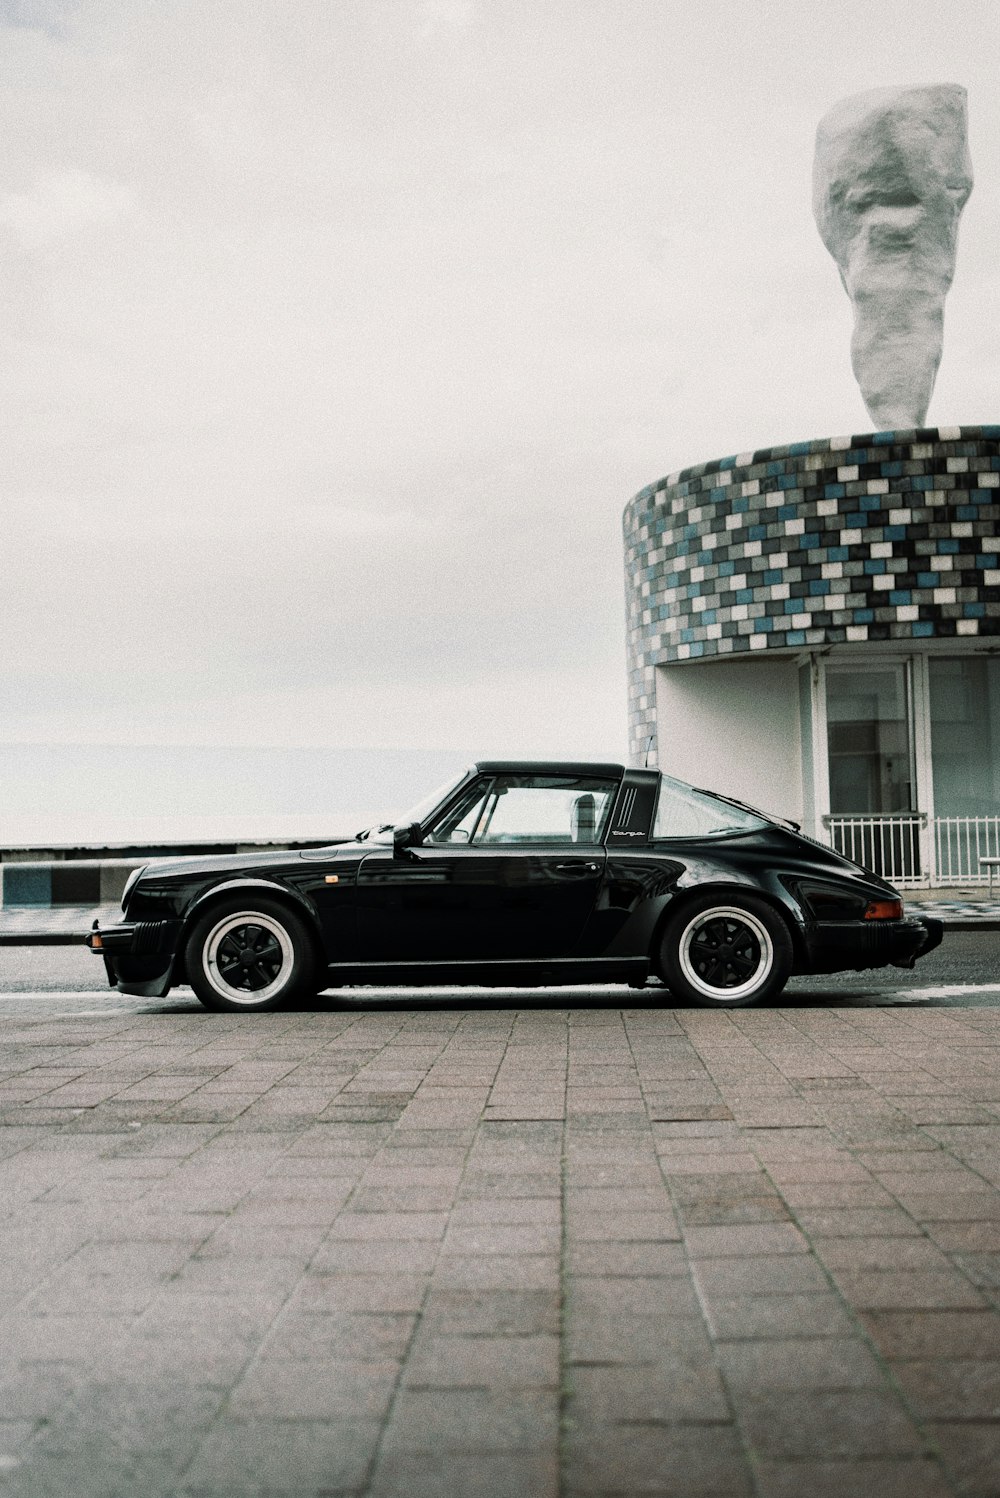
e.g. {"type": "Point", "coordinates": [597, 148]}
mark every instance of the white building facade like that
{"type": "Point", "coordinates": [815, 629]}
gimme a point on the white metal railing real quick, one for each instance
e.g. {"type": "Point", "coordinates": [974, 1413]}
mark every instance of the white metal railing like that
{"type": "Point", "coordinates": [891, 845]}
{"type": "Point", "coordinates": [960, 846]}
{"type": "Point", "coordinates": [909, 849]}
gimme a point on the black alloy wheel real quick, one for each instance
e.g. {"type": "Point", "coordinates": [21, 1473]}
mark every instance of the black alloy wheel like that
{"type": "Point", "coordinates": [250, 953]}
{"type": "Point", "coordinates": [726, 952]}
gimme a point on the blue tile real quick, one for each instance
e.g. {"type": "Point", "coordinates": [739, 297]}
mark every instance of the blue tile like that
{"type": "Point", "coordinates": [900, 595]}
{"type": "Point", "coordinates": [974, 610]}
{"type": "Point", "coordinates": [923, 627]}
{"type": "Point", "coordinates": [834, 491]}
{"type": "Point", "coordinates": [796, 637]}
{"type": "Point", "coordinates": [874, 566]}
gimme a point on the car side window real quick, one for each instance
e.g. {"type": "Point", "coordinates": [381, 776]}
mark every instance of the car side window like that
{"type": "Point", "coordinates": [460, 821]}
{"type": "Point", "coordinates": [541, 809]}
{"type": "Point", "coordinates": [683, 811]}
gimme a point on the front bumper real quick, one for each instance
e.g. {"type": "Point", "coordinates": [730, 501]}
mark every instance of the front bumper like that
{"type": "Point", "coordinates": [840, 946]}
{"type": "Point", "coordinates": [138, 956]}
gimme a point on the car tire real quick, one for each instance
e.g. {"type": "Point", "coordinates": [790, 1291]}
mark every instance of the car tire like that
{"type": "Point", "coordinates": [726, 951]}
{"type": "Point", "coordinates": [250, 953]}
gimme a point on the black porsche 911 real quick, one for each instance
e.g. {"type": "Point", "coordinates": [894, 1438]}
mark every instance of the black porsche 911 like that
{"type": "Point", "coordinates": [518, 873]}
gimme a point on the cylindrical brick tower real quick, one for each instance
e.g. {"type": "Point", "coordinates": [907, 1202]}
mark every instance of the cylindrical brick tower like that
{"type": "Point", "coordinates": [804, 620]}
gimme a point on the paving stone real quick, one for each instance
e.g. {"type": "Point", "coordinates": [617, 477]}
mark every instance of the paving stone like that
{"type": "Point", "coordinates": [888, 1477]}
{"type": "Point", "coordinates": [655, 1459]}
{"type": "Point", "coordinates": [353, 1276]}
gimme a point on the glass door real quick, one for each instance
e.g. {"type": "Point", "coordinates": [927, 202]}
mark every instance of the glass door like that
{"type": "Point", "coordinates": [871, 765]}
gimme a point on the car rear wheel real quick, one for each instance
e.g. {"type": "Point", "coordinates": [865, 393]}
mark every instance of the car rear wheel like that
{"type": "Point", "coordinates": [726, 952]}
{"type": "Point", "coordinates": [249, 954]}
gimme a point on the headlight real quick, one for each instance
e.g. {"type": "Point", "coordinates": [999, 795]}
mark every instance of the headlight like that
{"type": "Point", "coordinates": [130, 884]}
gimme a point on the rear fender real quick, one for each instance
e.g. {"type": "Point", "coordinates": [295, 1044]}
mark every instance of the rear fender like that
{"type": "Point", "coordinates": [686, 897]}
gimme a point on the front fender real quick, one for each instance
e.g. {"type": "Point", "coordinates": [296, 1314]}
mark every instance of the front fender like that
{"type": "Point", "coordinates": [236, 886]}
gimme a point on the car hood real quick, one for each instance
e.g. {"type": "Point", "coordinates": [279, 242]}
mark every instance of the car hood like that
{"type": "Point", "coordinates": [229, 863]}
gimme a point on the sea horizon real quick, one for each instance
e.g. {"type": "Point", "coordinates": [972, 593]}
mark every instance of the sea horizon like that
{"type": "Point", "coordinates": [102, 795]}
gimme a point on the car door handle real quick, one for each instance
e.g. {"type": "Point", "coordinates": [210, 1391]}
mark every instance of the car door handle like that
{"type": "Point", "coordinates": [578, 865]}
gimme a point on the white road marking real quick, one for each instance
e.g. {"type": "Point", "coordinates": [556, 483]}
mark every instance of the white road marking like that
{"type": "Point", "coordinates": [952, 990]}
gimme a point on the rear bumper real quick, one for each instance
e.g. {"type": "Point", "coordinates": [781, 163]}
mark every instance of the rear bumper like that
{"type": "Point", "coordinates": [838, 946]}
{"type": "Point", "coordinates": [138, 956]}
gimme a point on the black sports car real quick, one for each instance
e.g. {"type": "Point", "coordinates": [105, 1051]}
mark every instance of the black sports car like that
{"type": "Point", "coordinates": [519, 873]}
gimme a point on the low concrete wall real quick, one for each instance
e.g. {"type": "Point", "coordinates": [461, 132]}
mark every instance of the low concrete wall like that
{"type": "Point", "coordinates": [83, 881]}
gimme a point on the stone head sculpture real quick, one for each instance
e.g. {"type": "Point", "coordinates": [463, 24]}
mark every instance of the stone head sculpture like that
{"type": "Point", "coordinates": [891, 176]}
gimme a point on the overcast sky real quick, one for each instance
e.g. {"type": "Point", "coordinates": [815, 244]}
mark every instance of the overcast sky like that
{"type": "Point", "coordinates": [336, 335]}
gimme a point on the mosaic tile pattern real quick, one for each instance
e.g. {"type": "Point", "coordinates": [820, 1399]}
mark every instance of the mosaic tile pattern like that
{"type": "Point", "coordinates": [886, 536]}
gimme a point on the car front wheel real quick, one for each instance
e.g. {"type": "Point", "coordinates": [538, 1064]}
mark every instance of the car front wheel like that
{"type": "Point", "coordinates": [726, 952]}
{"type": "Point", "coordinates": [249, 954]}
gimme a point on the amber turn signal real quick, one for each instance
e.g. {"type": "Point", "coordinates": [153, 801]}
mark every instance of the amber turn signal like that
{"type": "Point", "coordinates": [96, 944]}
{"type": "Point", "coordinates": [332, 879]}
{"type": "Point", "coordinates": [884, 910]}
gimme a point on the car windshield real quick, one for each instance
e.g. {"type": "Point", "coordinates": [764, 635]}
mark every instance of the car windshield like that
{"type": "Point", "coordinates": [683, 811]}
{"type": "Point", "coordinates": [417, 813]}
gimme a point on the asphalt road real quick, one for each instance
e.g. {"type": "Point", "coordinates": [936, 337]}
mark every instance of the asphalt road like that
{"type": "Point", "coordinates": [964, 971]}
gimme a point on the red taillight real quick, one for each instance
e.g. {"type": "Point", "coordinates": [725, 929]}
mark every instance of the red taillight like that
{"type": "Point", "coordinates": [884, 910]}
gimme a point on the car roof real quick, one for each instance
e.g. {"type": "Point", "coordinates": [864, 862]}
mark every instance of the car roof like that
{"type": "Point", "coordinates": [548, 767]}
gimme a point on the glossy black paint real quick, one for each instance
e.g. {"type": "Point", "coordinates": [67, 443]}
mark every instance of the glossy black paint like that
{"type": "Point", "coordinates": [570, 912]}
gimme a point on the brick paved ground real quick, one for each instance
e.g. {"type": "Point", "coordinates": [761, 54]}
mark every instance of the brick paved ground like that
{"type": "Point", "coordinates": [507, 1251]}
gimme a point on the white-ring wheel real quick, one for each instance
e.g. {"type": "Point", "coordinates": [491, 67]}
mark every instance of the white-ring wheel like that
{"type": "Point", "coordinates": [227, 928]}
{"type": "Point", "coordinates": [722, 993]}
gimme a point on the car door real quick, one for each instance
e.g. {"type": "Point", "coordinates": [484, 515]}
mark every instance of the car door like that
{"type": "Point", "coordinates": [513, 872]}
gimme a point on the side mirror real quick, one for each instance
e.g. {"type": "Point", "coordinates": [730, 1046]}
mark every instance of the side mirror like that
{"type": "Point", "coordinates": [404, 837]}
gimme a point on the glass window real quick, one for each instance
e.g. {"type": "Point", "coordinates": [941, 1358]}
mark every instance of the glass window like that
{"type": "Point", "coordinates": [684, 812]}
{"type": "Point", "coordinates": [868, 739]}
{"type": "Point", "coordinates": [532, 809]}
{"type": "Point", "coordinates": [461, 820]}
{"type": "Point", "coordinates": [965, 735]}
